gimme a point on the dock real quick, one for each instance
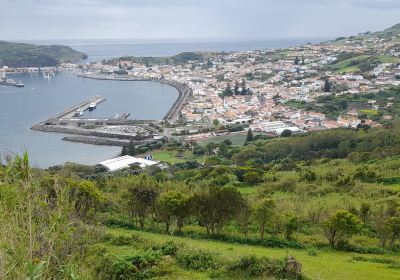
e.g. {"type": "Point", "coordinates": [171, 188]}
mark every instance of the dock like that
{"type": "Point", "coordinates": [83, 106]}
{"type": "Point", "coordinates": [68, 118]}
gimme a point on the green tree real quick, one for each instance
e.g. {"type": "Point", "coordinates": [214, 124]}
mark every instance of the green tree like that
{"type": "Point", "coordinates": [291, 225]}
{"type": "Point", "coordinates": [236, 88]}
{"type": "Point", "coordinates": [341, 226]}
{"type": "Point", "coordinates": [141, 199]}
{"type": "Point", "coordinates": [286, 133]}
{"type": "Point", "coordinates": [217, 206]}
{"type": "Point", "coordinates": [327, 85]}
{"type": "Point", "coordinates": [244, 89]}
{"type": "Point", "coordinates": [85, 197]}
{"type": "Point", "coordinates": [215, 122]}
{"type": "Point", "coordinates": [173, 206]}
{"type": "Point", "coordinates": [264, 212]}
{"type": "Point", "coordinates": [250, 136]}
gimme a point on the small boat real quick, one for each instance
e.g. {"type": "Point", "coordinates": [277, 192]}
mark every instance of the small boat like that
{"type": "Point", "coordinates": [20, 84]}
{"type": "Point", "coordinates": [78, 113]}
{"type": "Point", "coordinates": [46, 75]}
{"type": "Point", "coordinates": [92, 106]}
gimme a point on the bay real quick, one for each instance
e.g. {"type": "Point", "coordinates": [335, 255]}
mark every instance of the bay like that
{"type": "Point", "coordinates": [20, 108]}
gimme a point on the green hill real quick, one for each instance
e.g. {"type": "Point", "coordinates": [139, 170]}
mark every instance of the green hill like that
{"type": "Point", "coordinates": [29, 55]}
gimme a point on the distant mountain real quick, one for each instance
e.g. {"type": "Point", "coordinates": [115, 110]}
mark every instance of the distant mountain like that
{"type": "Point", "coordinates": [29, 55]}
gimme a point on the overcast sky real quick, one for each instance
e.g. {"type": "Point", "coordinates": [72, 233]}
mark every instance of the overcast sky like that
{"type": "Point", "coordinates": [193, 20]}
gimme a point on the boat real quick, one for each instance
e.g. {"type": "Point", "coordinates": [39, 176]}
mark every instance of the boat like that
{"type": "Point", "coordinates": [92, 106]}
{"type": "Point", "coordinates": [46, 75]}
{"type": "Point", "coordinates": [20, 84]}
{"type": "Point", "coordinates": [78, 113]}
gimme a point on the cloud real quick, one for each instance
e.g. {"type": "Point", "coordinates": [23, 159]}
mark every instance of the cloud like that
{"type": "Point", "coordinates": [193, 19]}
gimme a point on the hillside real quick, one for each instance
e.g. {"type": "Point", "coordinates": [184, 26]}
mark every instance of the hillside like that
{"type": "Point", "coordinates": [180, 58]}
{"type": "Point", "coordinates": [29, 55]}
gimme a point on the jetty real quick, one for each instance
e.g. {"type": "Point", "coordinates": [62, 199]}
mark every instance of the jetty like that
{"type": "Point", "coordinates": [83, 106]}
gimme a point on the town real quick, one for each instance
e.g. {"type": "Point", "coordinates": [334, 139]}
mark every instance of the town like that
{"type": "Point", "coordinates": [270, 91]}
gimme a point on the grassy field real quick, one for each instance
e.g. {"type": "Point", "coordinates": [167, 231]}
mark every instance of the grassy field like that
{"type": "Point", "coordinates": [172, 157]}
{"type": "Point", "coordinates": [238, 139]}
{"type": "Point", "coordinates": [352, 65]}
{"type": "Point", "coordinates": [323, 264]}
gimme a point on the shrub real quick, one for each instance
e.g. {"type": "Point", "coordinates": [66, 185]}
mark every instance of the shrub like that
{"type": "Point", "coordinates": [253, 266]}
{"type": "Point", "coordinates": [167, 249]}
{"type": "Point", "coordinates": [197, 260]}
{"type": "Point", "coordinates": [139, 265]}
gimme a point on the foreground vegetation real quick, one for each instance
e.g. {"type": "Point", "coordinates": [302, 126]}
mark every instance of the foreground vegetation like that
{"type": "Point", "coordinates": [319, 206]}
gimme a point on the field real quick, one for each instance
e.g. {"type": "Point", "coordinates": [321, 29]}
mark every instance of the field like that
{"type": "Point", "coordinates": [323, 264]}
{"type": "Point", "coordinates": [362, 63]}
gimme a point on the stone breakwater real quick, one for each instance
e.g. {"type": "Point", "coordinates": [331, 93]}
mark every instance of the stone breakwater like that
{"type": "Point", "coordinates": [87, 132]}
{"type": "Point", "coordinates": [103, 141]}
{"type": "Point", "coordinates": [184, 91]}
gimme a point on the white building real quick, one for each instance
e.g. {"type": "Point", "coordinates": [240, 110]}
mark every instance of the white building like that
{"type": "Point", "coordinates": [126, 162]}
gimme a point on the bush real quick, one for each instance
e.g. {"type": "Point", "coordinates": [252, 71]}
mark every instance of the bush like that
{"type": "Point", "coordinates": [287, 268]}
{"type": "Point", "coordinates": [167, 249]}
{"type": "Point", "coordinates": [197, 260]}
{"type": "Point", "coordinates": [139, 265]}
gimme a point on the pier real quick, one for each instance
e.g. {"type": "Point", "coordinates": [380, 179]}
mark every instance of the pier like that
{"type": "Point", "coordinates": [83, 106]}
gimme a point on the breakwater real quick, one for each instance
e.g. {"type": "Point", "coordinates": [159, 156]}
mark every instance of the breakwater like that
{"type": "Point", "coordinates": [102, 141]}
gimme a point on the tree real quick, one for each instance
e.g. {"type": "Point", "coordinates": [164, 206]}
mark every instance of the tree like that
{"type": "Point", "coordinates": [244, 217]}
{"type": "Point", "coordinates": [286, 133]}
{"type": "Point", "coordinates": [302, 60]}
{"type": "Point", "coordinates": [296, 60]}
{"type": "Point", "coordinates": [141, 199]}
{"type": "Point", "coordinates": [291, 225]}
{"type": "Point", "coordinates": [173, 206]}
{"type": "Point", "coordinates": [386, 223]}
{"type": "Point", "coordinates": [217, 206]}
{"type": "Point", "coordinates": [228, 91]}
{"type": "Point", "coordinates": [250, 136]}
{"type": "Point", "coordinates": [215, 122]}
{"type": "Point", "coordinates": [85, 197]}
{"type": "Point", "coordinates": [236, 88]}
{"type": "Point", "coordinates": [327, 85]}
{"type": "Point", "coordinates": [264, 211]}
{"type": "Point", "coordinates": [365, 210]}
{"type": "Point", "coordinates": [210, 147]}
{"type": "Point", "coordinates": [341, 226]}
{"type": "Point", "coordinates": [244, 89]}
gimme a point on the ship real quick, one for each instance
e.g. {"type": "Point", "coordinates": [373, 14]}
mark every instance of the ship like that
{"type": "Point", "coordinates": [78, 113]}
{"type": "Point", "coordinates": [92, 106]}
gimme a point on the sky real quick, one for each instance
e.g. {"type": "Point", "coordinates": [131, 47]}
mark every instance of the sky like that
{"type": "Point", "coordinates": [193, 20]}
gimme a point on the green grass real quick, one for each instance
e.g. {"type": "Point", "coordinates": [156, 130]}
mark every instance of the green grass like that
{"type": "Point", "coordinates": [327, 265]}
{"type": "Point", "coordinates": [370, 112]}
{"type": "Point", "coordinates": [238, 139]}
{"type": "Point", "coordinates": [171, 157]}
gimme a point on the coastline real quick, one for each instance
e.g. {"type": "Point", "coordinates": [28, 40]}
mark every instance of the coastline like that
{"type": "Point", "coordinates": [184, 92]}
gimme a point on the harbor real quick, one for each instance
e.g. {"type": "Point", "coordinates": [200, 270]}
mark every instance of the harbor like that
{"type": "Point", "coordinates": [115, 131]}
